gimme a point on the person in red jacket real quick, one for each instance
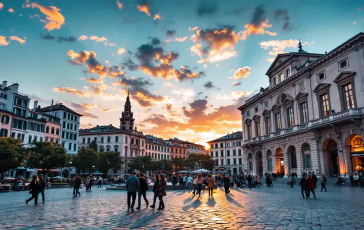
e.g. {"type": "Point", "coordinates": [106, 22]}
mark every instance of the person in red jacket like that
{"type": "Point", "coordinates": [310, 187]}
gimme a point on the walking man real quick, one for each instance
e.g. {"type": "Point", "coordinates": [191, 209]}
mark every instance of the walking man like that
{"type": "Point", "coordinates": [143, 190]}
{"type": "Point", "coordinates": [43, 184]}
{"type": "Point", "coordinates": [323, 183]}
{"type": "Point", "coordinates": [250, 178]}
{"type": "Point", "coordinates": [132, 186]}
{"type": "Point", "coordinates": [314, 178]}
{"type": "Point", "coordinates": [76, 186]}
{"type": "Point", "coordinates": [303, 184]}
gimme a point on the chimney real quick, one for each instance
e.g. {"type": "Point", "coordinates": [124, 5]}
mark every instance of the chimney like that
{"type": "Point", "coordinates": [35, 105]}
{"type": "Point", "coordinates": [4, 84]}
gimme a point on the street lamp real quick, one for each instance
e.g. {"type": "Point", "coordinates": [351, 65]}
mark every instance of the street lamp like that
{"type": "Point", "coordinates": [69, 170]}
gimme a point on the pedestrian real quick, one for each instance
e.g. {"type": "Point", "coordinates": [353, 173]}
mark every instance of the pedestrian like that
{"type": "Point", "coordinates": [291, 181]}
{"type": "Point", "coordinates": [356, 180]}
{"type": "Point", "coordinates": [250, 178]}
{"type": "Point", "coordinates": [210, 185]}
{"type": "Point", "coordinates": [323, 182]}
{"type": "Point", "coordinates": [132, 186]}
{"type": "Point", "coordinates": [226, 182]}
{"type": "Point", "coordinates": [90, 182]}
{"type": "Point", "coordinates": [184, 182]}
{"type": "Point", "coordinates": [361, 179]}
{"type": "Point", "coordinates": [352, 180]}
{"type": "Point", "coordinates": [303, 184]}
{"type": "Point", "coordinates": [161, 191]}
{"type": "Point", "coordinates": [155, 189]}
{"type": "Point", "coordinates": [76, 186]}
{"type": "Point", "coordinates": [199, 184]}
{"type": "Point", "coordinates": [43, 184]}
{"type": "Point", "coordinates": [174, 181]}
{"type": "Point", "coordinates": [314, 178]}
{"type": "Point", "coordinates": [189, 182]}
{"type": "Point", "coordinates": [99, 182]}
{"type": "Point", "coordinates": [143, 190]}
{"type": "Point", "coordinates": [34, 189]}
{"type": "Point", "coordinates": [310, 187]}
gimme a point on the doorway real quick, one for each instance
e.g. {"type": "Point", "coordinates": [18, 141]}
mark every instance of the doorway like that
{"type": "Point", "coordinates": [333, 158]}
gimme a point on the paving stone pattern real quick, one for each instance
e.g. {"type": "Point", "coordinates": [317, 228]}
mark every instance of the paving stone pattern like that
{"type": "Point", "coordinates": [263, 208]}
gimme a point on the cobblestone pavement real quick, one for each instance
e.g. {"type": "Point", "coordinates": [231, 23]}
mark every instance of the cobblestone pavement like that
{"type": "Point", "coordinates": [263, 208]}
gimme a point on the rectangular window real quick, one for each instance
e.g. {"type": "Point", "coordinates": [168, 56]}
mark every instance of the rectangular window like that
{"type": "Point", "coordinates": [257, 129]}
{"type": "Point", "coordinates": [249, 127]}
{"type": "Point", "coordinates": [3, 133]}
{"type": "Point", "coordinates": [69, 146]}
{"type": "Point", "coordinates": [290, 117]}
{"type": "Point", "coordinates": [108, 139]}
{"type": "Point", "coordinates": [74, 147]}
{"type": "Point", "coordinates": [266, 104]}
{"type": "Point", "coordinates": [325, 106]}
{"type": "Point", "coordinates": [348, 97]}
{"type": "Point", "coordinates": [57, 132]}
{"type": "Point", "coordinates": [84, 140]}
{"type": "Point", "coordinates": [288, 73]}
{"type": "Point", "coordinates": [221, 145]}
{"type": "Point", "coordinates": [222, 162]}
{"type": "Point", "coordinates": [274, 81]}
{"type": "Point", "coordinates": [281, 77]}
{"type": "Point", "coordinates": [240, 161]}
{"type": "Point", "coordinates": [234, 160]}
{"type": "Point", "coordinates": [301, 86]}
{"type": "Point", "coordinates": [222, 153]}
{"type": "Point", "coordinates": [343, 64]}
{"type": "Point", "coordinates": [239, 152]}
{"type": "Point", "coordinates": [278, 121]}
{"type": "Point", "coordinates": [304, 113]}
{"type": "Point", "coordinates": [321, 76]}
{"type": "Point", "coordinates": [228, 153]}
{"type": "Point", "coordinates": [116, 139]}
{"type": "Point", "coordinates": [234, 152]}
{"type": "Point", "coordinates": [228, 161]}
{"type": "Point", "coordinates": [64, 114]}
{"type": "Point", "coordinates": [267, 125]}
{"type": "Point", "coordinates": [102, 139]}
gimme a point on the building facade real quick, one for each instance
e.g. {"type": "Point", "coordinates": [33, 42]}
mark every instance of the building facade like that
{"type": "Point", "coordinates": [157, 148]}
{"type": "Point", "coordinates": [69, 125]}
{"type": "Point", "coordinates": [191, 147]}
{"type": "Point", "coordinates": [310, 118]}
{"type": "Point", "coordinates": [227, 153]}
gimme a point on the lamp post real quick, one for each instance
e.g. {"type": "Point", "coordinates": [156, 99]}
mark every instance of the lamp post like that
{"type": "Point", "coordinates": [69, 170]}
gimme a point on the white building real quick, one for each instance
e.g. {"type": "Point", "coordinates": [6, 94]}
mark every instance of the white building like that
{"type": "Point", "coordinates": [310, 117]}
{"type": "Point", "coordinates": [157, 148]}
{"type": "Point", "coordinates": [70, 124]}
{"type": "Point", "coordinates": [227, 153]}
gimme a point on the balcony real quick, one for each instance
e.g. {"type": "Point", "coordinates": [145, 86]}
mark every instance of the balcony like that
{"type": "Point", "coordinates": [317, 123]}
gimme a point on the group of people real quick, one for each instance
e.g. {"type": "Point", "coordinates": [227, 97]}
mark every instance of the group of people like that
{"type": "Point", "coordinates": [357, 180]}
{"type": "Point", "coordinates": [37, 185]}
{"type": "Point", "coordinates": [308, 184]}
{"type": "Point", "coordinates": [137, 184]}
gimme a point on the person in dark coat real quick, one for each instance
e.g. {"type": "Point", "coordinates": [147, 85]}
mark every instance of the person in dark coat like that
{"type": "Point", "coordinates": [314, 178]}
{"type": "Point", "coordinates": [174, 181]}
{"type": "Point", "coordinates": [155, 189]}
{"type": "Point", "coordinates": [76, 186]}
{"type": "Point", "coordinates": [250, 178]}
{"type": "Point", "coordinates": [132, 186]}
{"type": "Point", "coordinates": [43, 184]}
{"type": "Point", "coordinates": [303, 184]}
{"type": "Point", "coordinates": [143, 190]}
{"type": "Point", "coordinates": [161, 191]}
{"type": "Point", "coordinates": [226, 182]}
{"type": "Point", "coordinates": [34, 189]}
{"type": "Point", "coordinates": [310, 187]}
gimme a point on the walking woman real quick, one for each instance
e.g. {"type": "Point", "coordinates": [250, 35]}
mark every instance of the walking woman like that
{"type": "Point", "coordinates": [210, 185]}
{"type": "Point", "coordinates": [34, 189]}
{"type": "Point", "coordinates": [194, 185]}
{"type": "Point", "coordinates": [226, 182]}
{"type": "Point", "coordinates": [161, 191]}
{"type": "Point", "coordinates": [323, 183]}
{"type": "Point", "coordinates": [155, 189]}
{"type": "Point", "coordinates": [199, 184]}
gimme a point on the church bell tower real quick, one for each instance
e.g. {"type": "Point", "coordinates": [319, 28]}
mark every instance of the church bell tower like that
{"type": "Point", "coordinates": [127, 120]}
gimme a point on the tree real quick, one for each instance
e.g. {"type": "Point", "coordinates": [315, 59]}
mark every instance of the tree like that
{"type": "Point", "coordinates": [143, 163]}
{"type": "Point", "coordinates": [47, 155]}
{"type": "Point", "coordinates": [12, 155]}
{"type": "Point", "coordinates": [179, 163]}
{"type": "Point", "coordinates": [85, 159]}
{"type": "Point", "coordinates": [93, 145]}
{"type": "Point", "coordinates": [166, 165]}
{"type": "Point", "coordinates": [203, 160]}
{"type": "Point", "coordinates": [108, 160]}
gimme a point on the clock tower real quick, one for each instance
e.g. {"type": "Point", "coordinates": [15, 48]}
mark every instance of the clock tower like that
{"type": "Point", "coordinates": [127, 120]}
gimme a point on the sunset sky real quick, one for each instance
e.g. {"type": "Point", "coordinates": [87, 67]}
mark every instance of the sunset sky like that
{"type": "Point", "coordinates": [188, 64]}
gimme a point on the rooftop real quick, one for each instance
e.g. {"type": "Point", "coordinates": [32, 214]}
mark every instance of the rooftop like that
{"type": "Point", "coordinates": [56, 107]}
{"type": "Point", "coordinates": [230, 136]}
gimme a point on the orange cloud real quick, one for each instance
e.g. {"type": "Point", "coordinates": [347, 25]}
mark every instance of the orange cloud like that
{"type": "Point", "coordinates": [92, 65]}
{"type": "Point", "coordinates": [11, 10]}
{"type": "Point", "coordinates": [121, 51]}
{"type": "Point", "coordinates": [193, 28]}
{"type": "Point", "coordinates": [99, 90]}
{"type": "Point", "coordinates": [69, 91]}
{"type": "Point", "coordinates": [144, 7]}
{"type": "Point", "coordinates": [83, 37]}
{"type": "Point", "coordinates": [257, 29]}
{"type": "Point", "coordinates": [3, 41]}
{"type": "Point", "coordinates": [241, 73]}
{"type": "Point", "coordinates": [98, 39]}
{"type": "Point", "coordinates": [54, 19]}
{"type": "Point", "coordinates": [16, 38]}
{"type": "Point", "coordinates": [1, 6]}
{"type": "Point", "coordinates": [182, 39]}
{"type": "Point", "coordinates": [94, 80]}
{"type": "Point", "coordinates": [120, 5]}
{"type": "Point", "coordinates": [157, 16]}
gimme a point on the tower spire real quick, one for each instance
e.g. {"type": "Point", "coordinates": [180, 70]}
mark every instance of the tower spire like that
{"type": "Point", "coordinates": [299, 46]}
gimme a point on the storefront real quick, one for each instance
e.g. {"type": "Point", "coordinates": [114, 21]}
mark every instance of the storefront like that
{"type": "Point", "coordinates": [357, 153]}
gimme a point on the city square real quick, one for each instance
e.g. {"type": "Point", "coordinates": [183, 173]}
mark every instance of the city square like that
{"type": "Point", "coordinates": [276, 207]}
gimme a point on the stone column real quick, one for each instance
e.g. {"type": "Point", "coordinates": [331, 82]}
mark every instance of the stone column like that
{"type": "Point", "coordinates": [265, 162]}
{"type": "Point", "coordinates": [286, 164]}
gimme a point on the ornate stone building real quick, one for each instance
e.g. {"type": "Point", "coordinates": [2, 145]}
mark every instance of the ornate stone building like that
{"type": "Point", "coordinates": [310, 118]}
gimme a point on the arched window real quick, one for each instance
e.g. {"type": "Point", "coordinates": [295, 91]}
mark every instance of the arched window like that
{"type": "Point", "coordinates": [306, 151]}
{"type": "Point", "coordinates": [269, 160]}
